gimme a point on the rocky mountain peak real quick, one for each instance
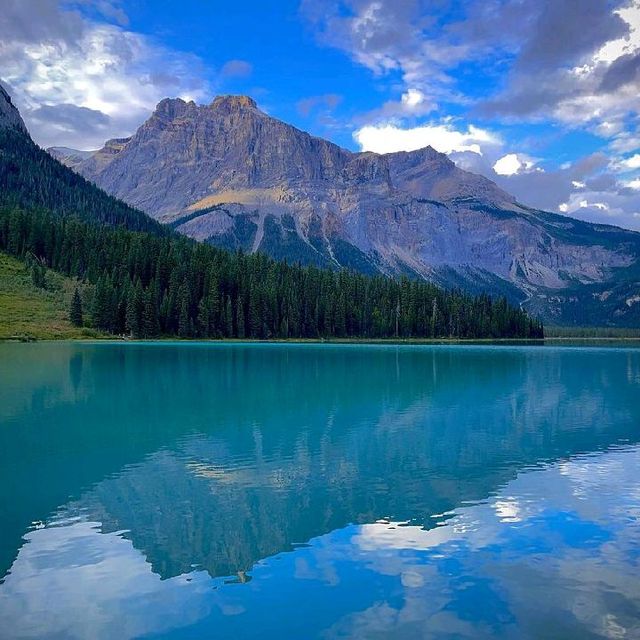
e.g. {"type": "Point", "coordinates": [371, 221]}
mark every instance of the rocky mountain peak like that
{"type": "Point", "coordinates": [9, 115]}
{"type": "Point", "coordinates": [170, 108]}
{"type": "Point", "coordinates": [234, 102]}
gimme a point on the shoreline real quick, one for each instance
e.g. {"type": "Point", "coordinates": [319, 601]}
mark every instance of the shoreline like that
{"type": "Point", "coordinates": [329, 341]}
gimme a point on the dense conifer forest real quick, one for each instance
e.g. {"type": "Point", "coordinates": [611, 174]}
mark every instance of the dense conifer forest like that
{"type": "Point", "coordinates": [30, 177]}
{"type": "Point", "coordinates": [148, 281]}
{"type": "Point", "coordinates": [147, 286]}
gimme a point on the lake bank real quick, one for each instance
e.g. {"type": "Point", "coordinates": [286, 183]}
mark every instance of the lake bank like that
{"type": "Point", "coordinates": [90, 338]}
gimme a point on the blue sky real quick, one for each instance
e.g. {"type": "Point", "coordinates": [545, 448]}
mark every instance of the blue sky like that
{"type": "Point", "coordinates": [542, 96]}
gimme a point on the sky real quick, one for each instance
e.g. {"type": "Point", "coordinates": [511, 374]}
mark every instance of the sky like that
{"type": "Point", "coordinates": [541, 96]}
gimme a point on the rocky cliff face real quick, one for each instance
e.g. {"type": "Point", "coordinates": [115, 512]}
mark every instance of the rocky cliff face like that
{"type": "Point", "coordinates": [229, 174]}
{"type": "Point", "coordinates": [9, 115]}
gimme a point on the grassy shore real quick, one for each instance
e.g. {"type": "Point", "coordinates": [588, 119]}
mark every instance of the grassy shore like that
{"type": "Point", "coordinates": [28, 312]}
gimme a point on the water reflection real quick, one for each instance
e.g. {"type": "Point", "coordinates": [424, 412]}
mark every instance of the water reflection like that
{"type": "Point", "coordinates": [436, 491]}
{"type": "Point", "coordinates": [553, 554]}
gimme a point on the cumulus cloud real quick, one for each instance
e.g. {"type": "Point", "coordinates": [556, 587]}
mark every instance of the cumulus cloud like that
{"type": "Point", "coordinates": [411, 104]}
{"type": "Point", "coordinates": [513, 163]}
{"type": "Point", "coordinates": [386, 138]}
{"type": "Point", "coordinates": [78, 81]}
{"type": "Point", "coordinates": [632, 163]}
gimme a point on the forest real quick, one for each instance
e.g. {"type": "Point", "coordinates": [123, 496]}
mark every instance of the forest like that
{"type": "Point", "coordinates": [147, 286]}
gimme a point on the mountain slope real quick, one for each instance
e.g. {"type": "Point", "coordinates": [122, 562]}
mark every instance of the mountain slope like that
{"type": "Point", "coordinates": [231, 175]}
{"type": "Point", "coordinates": [29, 312]}
{"type": "Point", "coordinates": [30, 177]}
{"type": "Point", "coordinates": [10, 117]}
{"type": "Point", "coordinates": [69, 157]}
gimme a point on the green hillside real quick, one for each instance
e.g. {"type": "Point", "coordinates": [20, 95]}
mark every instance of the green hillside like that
{"type": "Point", "coordinates": [28, 312]}
{"type": "Point", "coordinates": [31, 179]}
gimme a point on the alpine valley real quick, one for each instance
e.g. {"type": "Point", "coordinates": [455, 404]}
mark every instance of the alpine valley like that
{"type": "Point", "coordinates": [230, 175]}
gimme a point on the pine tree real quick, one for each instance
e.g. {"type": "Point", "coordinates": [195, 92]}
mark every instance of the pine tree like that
{"type": "Point", "coordinates": [150, 324]}
{"type": "Point", "coordinates": [240, 318]}
{"type": "Point", "coordinates": [75, 312]}
{"type": "Point", "coordinates": [39, 276]}
{"type": "Point", "coordinates": [203, 320]}
{"type": "Point", "coordinates": [434, 319]}
{"type": "Point", "coordinates": [134, 309]}
{"type": "Point", "coordinates": [228, 318]}
{"type": "Point", "coordinates": [184, 323]}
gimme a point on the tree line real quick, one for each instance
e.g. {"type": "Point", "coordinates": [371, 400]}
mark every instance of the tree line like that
{"type": "Point", "coordinates": [148, 285]}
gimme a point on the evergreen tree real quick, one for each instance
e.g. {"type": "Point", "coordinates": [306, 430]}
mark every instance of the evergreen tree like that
{"type": "Point", "coordinates": [150, 323]}
{"type": "Point", "coordinates": [38, 276]}
{"type": "Point", "coordinates": [183, 305]}
{"type": "Point", "coordinates": [203, 320]}
{"type": "Point", "coordinates": [228, 319]}
{"type": "Point", "coordinates": [240, 319]}
{"type": "Point", "coordinates": [134, 308]}
{"type": "Point", "coordinates": [75, 312]}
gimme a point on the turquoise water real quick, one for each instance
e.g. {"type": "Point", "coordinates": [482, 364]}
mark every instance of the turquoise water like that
{"type": "Point", "coordinates": [316, 491]}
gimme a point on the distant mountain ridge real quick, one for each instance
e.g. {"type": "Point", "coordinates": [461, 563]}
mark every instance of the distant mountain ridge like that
{"type": "Point", "coordinates": [69, 157]}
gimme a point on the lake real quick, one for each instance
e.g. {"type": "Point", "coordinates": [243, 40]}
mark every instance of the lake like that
{"type": "Point", "coordinates": [191, 490]}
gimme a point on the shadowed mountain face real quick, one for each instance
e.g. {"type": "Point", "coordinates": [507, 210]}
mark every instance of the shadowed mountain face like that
{"type": "Point", "coordinates": [9, 115]}
{"type": "Point", "coordinates": [231, 175]}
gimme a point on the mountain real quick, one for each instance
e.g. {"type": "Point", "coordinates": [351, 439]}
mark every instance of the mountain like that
{"type": "Point", "coordinates": [230, 175]}
{"type": "Point", "coordinates": [144, 279]}
{"type": "Point", "coordinates": [10, 117]}
{"type": "Point", "coordinates": [69, 157]}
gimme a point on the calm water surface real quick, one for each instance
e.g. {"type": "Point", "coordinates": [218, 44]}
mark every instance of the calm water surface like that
{"type": "Point", "coordinates": [316, 491]}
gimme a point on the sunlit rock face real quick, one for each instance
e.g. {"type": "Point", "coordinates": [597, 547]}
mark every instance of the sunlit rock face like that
{"type": "Point", "coordinates": [229, 174]}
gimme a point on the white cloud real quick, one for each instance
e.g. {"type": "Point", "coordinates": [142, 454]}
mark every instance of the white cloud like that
{"type": "Point", "coordinates": [387, 138]}
{"type": "Point", "coordinates": [98, 82]}
{"type": "Point", "coordinates": [513, 163]}
{"type": "Point", "coordinates": [613, 49]}
{"type": "Point", "coordinates": [597, 207]}
{"type": "Point", "coordinates": [507, 165]}
{"type": "Point", "coordinates": [413, 98]}
{"type": "Point", "coordinates": [632, 163]}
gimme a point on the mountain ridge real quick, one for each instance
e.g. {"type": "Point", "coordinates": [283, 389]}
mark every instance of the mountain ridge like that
{"type": "Point", "coordinates": [231, 175]}
{"type": "Point", "coordinates": [147, 280]}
